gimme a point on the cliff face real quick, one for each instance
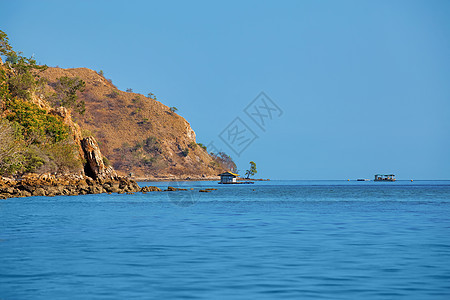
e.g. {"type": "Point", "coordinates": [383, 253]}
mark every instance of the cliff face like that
{"type": "Point", "coordinates": [139, 135]}
{"type": "Point", "coordinates": [95, 167]}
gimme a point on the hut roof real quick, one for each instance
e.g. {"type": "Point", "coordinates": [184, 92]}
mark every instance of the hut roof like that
{"type": "Point", "coordinates": [229, 174]}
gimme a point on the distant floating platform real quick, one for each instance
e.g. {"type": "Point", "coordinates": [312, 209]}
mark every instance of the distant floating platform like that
{"type": "Point", "coordinates": [381, 177]}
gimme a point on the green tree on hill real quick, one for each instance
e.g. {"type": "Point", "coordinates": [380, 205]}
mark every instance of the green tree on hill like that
{"type": "Point", "coordinates": [151, 96]}
{"type": "Point", "coordinates": [5, 47]}
{"type": "Point", "coordinates": [252, 171]}
{"type": "Point", "coordinates": [12, 58]}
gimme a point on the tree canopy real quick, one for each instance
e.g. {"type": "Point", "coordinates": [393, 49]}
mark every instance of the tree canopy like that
{"type": "Point", "coordinates": [252, 171]}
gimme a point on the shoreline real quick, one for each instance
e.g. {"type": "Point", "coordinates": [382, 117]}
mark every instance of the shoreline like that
{"type": "Point", "coordinates": [67, 185]}
{"type": "Point", "coordinates": [175, 179]}
{"type": "Point", "coordinates": [50, 185]}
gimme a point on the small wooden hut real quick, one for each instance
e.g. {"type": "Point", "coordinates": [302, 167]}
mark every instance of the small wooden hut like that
{"type": "Point", "coordinates": [228, 177]}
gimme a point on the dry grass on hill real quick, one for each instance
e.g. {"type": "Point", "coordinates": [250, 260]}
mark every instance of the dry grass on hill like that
{"type": "Point", "coordinates": [136, 133]}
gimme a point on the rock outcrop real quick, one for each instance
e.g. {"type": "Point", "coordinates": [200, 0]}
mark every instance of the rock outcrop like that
{"type": "Point", "coordinates": [97, 179]}
{"type": "Point", "coordinates": [95, 166]}
{"type": "Point", "coordinates": [146, 189]}
{"type": "Point", "coordinates": [74, 127]}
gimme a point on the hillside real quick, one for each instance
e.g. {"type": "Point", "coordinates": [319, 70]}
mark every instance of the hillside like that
{"type": "Point", "coordinates": [137, 134]}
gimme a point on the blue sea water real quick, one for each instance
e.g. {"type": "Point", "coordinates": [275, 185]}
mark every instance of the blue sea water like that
{"type": "Point", "coordinates": [270, 240]}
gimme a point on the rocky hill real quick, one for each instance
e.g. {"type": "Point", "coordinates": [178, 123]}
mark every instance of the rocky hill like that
{"type": "Point", "coordinates": [138, 134]}
{"type": "Point", "coordinates": [47, 113]}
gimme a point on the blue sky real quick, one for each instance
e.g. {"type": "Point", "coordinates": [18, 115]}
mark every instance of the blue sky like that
{"type": "Point", "coordinates": [364, 86]}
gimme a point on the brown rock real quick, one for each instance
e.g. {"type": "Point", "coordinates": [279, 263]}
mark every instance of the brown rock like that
{"type": "Point", "coordinates": [39, 192]}
{"type": "Point", "coordinates": [26, 194]}
{"type": "Point", "coordinates": [150, 189]}
{"type": "Point", "coordinates": [172, 189]}
{"type": "Point", "coordinates": [95, 167]}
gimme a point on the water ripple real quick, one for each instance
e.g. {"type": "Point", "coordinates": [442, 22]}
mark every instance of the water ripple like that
{"type": "Point", "coordinates": [279, 241]}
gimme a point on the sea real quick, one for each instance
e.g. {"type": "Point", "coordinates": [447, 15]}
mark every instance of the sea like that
{"type": "Point", "coordinates": [268, 240]}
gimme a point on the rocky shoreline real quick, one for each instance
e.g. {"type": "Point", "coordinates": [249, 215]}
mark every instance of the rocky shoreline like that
{"type": "Point", "coordinates": [175, 178]}
{"type": "Point", "coordinates": [68, 185]}
{"type": "Point", "coordinates": [189, 178]}
{"type": "Point", "coordinates": [96, 178]}
{"type": "Point", "coordinates": [74, 185]}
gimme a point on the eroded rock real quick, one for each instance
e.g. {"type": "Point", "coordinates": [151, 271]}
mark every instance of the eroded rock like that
{"type": "Point", "coordinates": [150, 189]}
{"type": "Point", "coordinates": [95, 167]}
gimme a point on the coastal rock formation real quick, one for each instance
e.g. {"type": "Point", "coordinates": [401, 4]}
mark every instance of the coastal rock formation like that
{"type": "Point", "coordinates": [174, 189]}
{"type": "Point", "coordinates": [150, 189]}
{"type": "Point", "coordinates": [95, 166]}
{"type": "Point", "coordinates": [69, 185]}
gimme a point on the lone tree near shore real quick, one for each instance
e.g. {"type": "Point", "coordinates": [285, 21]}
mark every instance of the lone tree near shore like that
{"type": "Point", "coordinates": [252, 171]}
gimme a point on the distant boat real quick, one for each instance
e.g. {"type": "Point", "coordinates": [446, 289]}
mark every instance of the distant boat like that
{"type": "Point", "coordinates": [362, 179]}
{"type": "Point", "coordinates": [381, 177]}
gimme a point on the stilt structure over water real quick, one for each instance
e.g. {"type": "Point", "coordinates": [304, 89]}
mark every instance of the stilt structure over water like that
{"type": "Point", "coordinates": [230, 178]}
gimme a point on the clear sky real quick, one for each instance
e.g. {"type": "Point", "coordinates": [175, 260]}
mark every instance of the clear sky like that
{"type": "Point", "coordinates": [363, 86]}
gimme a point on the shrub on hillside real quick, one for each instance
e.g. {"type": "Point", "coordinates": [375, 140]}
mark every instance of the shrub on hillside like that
{"type": "Point", "coordinates": [224, 161]}
{"type": "Point", "coordinates": [13, 58]}
{"type": "Point", "coordinates": [66, 93]}
{"type": "Point", "coordinates": [202, 146]}
{"type": "Point", "coordinates": [106, 162]}
{"type": "Point", "coordinates": [185, 152]}
{"type": "Point", "coordinates": [11, 149]}
{"type": "Point", "coordinates": [25, 84]}
{"type": "Point", "coordinates": [145, 154]}
{"type": "Point", "coordinates": [18, 157]}
{"type": "Point", "coordinates": [62, 157]}
{"type": "Point", "coordinates": [35, 123]}
{"type": "Point", "coordinates": [136, 100]}
{"type": "Point", "coordinates": [113, 94]}
{"type": "Point", "coordinates": [151, 145]}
